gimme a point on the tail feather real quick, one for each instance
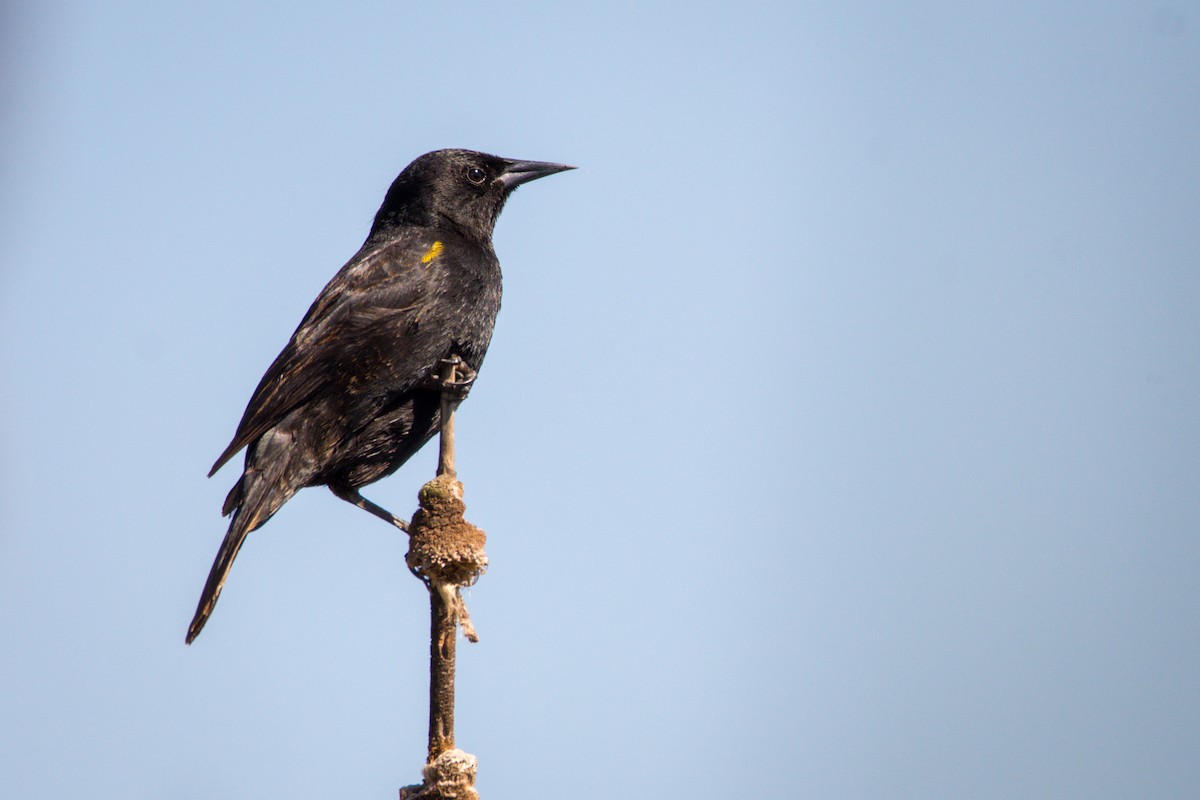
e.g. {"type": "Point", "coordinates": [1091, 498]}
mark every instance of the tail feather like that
{"type": "Point", "coordinates": [253, 500]}
{"type": "Point", "coordinates": [217, 575]}
{"type": "Point", "coordinates": [256, 507]}
{"type": "Point", "coordinates": [234, 498]}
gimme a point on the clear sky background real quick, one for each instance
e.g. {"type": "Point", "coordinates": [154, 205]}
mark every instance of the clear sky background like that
{"type": "Point", "coordinates": [839, 437]}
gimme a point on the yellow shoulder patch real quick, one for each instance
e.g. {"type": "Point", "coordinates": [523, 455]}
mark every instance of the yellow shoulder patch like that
{"type": "Point", "coordinates": [433, 252]}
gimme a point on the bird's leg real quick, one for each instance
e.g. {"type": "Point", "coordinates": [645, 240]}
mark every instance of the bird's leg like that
{"type": "Point", "coordinates": [451, 397]}
{"type": "Point", "coordinates": [351, 495]}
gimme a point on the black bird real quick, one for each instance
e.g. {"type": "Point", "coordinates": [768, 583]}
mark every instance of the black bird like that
{"type": "Point", "coordinates": [354, 394]}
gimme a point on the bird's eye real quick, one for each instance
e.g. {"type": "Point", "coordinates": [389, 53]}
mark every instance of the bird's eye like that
{"type": "Point", "coordinates": [475, 175]}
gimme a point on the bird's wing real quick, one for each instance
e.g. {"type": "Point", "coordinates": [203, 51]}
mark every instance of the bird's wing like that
{"type": "Point", "coordinates": [356, 342]}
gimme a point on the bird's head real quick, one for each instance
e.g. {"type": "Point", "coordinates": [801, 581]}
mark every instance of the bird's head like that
{"type": "Point", "coordinates": [461, 188]}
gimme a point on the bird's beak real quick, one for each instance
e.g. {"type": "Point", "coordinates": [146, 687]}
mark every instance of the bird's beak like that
{"type": "Point", "coordinates": [518, 172]}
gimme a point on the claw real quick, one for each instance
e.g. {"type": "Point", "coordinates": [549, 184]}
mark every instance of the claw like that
{"type": "Point", "coordinates": [458, 386]}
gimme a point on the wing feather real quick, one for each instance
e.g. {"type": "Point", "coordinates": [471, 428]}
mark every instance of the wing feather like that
{"type": "Point", "coordinates": [356, 343]}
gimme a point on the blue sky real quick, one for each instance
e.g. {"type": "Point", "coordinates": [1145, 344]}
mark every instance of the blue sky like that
{"type": "Point", "coordinates": [838, 437]}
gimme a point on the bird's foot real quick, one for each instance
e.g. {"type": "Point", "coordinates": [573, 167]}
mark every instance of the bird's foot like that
{"type": "Point", "coordinates": [453, 378]}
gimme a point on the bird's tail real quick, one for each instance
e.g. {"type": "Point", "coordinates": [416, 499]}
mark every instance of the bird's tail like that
{"type": "Point", "coordinates": [219, 572]}
{"type": "Point", "coordinates": [253, 500]}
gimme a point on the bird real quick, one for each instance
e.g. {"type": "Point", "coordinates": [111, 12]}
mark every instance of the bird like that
{"type": "Point", "coordinates": [356, 391]}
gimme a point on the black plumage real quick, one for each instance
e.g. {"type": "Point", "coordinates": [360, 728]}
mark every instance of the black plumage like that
{"type": "Point", "coordinates": [353, 395]}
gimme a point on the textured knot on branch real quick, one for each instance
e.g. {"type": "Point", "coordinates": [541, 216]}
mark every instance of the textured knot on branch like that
{"type": "Point", "coordinates": [450, 776]}
{"type": "Point", "coordinates": [446, 551]}
{"type": "Point", "coordinates": [443, 548]}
